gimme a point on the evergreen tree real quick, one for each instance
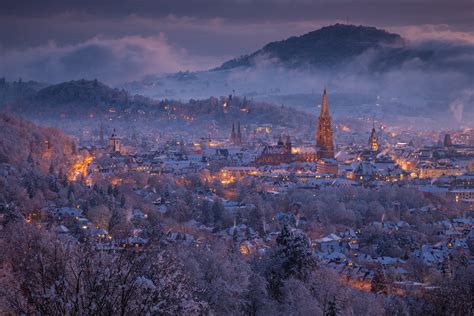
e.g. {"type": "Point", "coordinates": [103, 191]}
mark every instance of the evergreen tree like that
{"type": "Point", "coordinates": [115, 219]}
{"type": "Point", "coordinates": [295, 252]}
{"type": "Point", "coordinates": [62, 177]}
{"type": "Point", "coordinates": [217, 211]}
{"type": "Point", "coordinates": [51, 168]}
{"type": "Point", "coordinates": [446, 269]}
{"type": "Point", "coordinates": [54, 184]}
{"type": "Point", "coordinates": [332, 307]}
{"type": "Point", "coordinates": [30, 160]}
{"type": "Point", "coordinates": [292, 258]}
{"type": "Point", "coordinates": [255, 219]}
{"type": "Point", "coordinates": [379, 282]}
{"type": "Point", "coordinates": [9, 213]}
{"type": "Point", "coordinates": [206, 214]}
{"type": "Point", "coordinates": [123, 201]}
{"type": "Point", "coordinates": [110, 190]}
{"type": "Point", "coordinates": [70, 194]}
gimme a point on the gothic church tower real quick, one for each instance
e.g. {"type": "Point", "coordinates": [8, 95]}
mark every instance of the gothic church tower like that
{"type": "Point", "coordinates": [324, 132]}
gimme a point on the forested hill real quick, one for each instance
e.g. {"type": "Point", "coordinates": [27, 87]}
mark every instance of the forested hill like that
{"type": "Point", "coordinates": [71, 95]}
{"type": "Point", "coordinates": [332, 45]}
{"type": "Point", "coordinates": [86, 98]}
{"type": "Point", "coordinates": [34, 165]}
{"type": "Point", "coordinates": [28, 146]}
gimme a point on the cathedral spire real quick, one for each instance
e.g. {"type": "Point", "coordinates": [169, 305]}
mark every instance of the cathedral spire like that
{"type": "Point", "coordinates": [239, 134]}
{"type": "Point", "coordinates": [324, 132]}
{"type": "Point", "coordinates": [324, 104]}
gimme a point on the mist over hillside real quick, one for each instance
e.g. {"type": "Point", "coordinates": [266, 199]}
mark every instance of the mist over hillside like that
{"type": "Point", "coordinates": [75, 105]}
{"type": "Point", "coordinates": [366, 70]}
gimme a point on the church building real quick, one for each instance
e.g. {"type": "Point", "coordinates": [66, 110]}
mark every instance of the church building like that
{"type": "Point", "coordinates": [283, 152]}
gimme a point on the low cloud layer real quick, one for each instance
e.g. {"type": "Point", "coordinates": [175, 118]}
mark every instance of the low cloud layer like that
{"type": "Point", "coordinates": [199, 33]}
{"type": "Point", "coordinates": [439, 87]}
{"type": "Point", "coordinates": [120, 55]}
{"type": "Point", "coordinates": [111, 60]}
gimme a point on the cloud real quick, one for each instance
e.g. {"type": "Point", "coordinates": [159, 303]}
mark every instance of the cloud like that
{"type": "Point", "coordinates": [213, 36]}
{"type": "Point", "coordinates": [110, 60]}
{"type": "Point", "coordinates": [466, 99]}
{"type": "Point", "coordinates": [214, 27]}
{"type": "Point", "coordinates": [428, 32]}
{"type": "Point", "coordinates": [436, 85]}
{"type": "Point", "coordinates": [422, 10]}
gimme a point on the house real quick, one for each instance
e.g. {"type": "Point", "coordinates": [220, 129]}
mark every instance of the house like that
{"type": "Point", "coordinates": [138, 214]}
{"type": "Point", "coordinates": [334, 257]}
{"type": "Point", "coordinates": [176, 237]}
{"type": "Point", "coordinates": [329, 243]}
{"type": "Point", "coordinates": [134, 241]}
{"type": "Point", "coordinates": [99, 233]}
{"type": "Point", "coordinates": [432, 255]}
{"type": "Point", "coordinates": [387, 261]}
{"type": "Point", "coordinates": [353, 245]}
{"type": "Point", "coordinates": [69, 211]}
{"type": "Point", "coordinates": [452, 233]}
{"type": "Point", "coordinates": [61, 229]}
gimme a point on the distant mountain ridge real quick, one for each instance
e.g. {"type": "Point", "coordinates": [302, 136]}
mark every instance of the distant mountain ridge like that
{"type": "Point", "coordinates": [332, 45]}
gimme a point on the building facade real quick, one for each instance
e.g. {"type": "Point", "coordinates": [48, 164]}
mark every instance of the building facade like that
{"type": "Point", "coordinates": [115, 145]}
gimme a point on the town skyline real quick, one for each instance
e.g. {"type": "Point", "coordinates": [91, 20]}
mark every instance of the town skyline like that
{"type": "Point", "coordinates": [237, 157]}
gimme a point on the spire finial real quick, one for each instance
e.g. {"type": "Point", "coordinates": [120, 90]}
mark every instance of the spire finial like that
{"type": "Point", "coordinates": [324, 104]}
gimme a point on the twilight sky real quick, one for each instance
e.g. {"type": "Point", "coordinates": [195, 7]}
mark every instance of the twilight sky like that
{"type": "Point", "coordinates": [121, 40]}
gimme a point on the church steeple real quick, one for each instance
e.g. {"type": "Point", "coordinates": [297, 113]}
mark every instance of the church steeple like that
{"type": "Point", "coordinates": [101, 133]}
{"type": "Point", "coordinates": [232, 134]}
{"type": "Point", "coordinates": [236, 137]}
{"type": "Point", "coordinates": [373, 140]}
{"type": "Point", "coordinates": [115, 145]}
{"type": "Point", "coordinates": [239, 134]}
{"type": "Point", "coordinates": [324, 138]}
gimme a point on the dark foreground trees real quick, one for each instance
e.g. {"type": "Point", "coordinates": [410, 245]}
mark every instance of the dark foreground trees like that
{"type": "Point", "coordinates": [44, 274]}
{"type": "Point", "coordinates": [49, 274]}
